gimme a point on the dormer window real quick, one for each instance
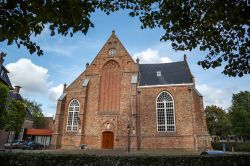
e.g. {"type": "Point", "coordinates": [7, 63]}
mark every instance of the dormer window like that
{"type": "Point", "coordinates": [3, 73]}
{"type": "Point", "coordinates": [158, 73]}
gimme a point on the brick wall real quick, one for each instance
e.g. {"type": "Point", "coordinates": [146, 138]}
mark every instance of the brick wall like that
{"type": "Point", "coordinates": [183, 136]}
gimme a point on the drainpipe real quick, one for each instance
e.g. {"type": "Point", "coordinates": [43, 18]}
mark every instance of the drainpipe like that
{"type": "Point", "coordinates": [191, 109]}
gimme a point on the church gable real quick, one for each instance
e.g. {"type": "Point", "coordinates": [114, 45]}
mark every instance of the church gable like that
{"type": "Point", "coordinates": [113, 50]}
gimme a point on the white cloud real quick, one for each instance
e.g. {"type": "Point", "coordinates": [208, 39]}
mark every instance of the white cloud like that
{"type": "Point", "coordinates": [166, 59]}
{"type": "Point", "coordinates": [47, 114]}
{"type": "Point", "coordinates": [55, 92]}
{"type": "Point", "coordinates": [35, 84]}
{"type": "Point", "coordinates": [214, 96]}
{"type": "Point", "coordinates": [32, 78]}
{"type": "Point", "coordinates": [151, 56]}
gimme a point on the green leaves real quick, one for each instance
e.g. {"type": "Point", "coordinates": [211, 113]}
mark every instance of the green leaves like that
{"type": "Point", "coordinates": [15, 116]}
{"type": "Point", "coordinates": [221, 28]}
{"type": "Point", "coordinates": [236, 121]}
{"type": "Point", "coordinates": [217, 121]}
{"type": "Point", "coordinates": [22, 19]}
{"type": "Point", "coordinates": [240, 113]}
{"type": "Point", "coordinates": [36, 112]}
{"type": "Point", "coordinates": [3, 104]}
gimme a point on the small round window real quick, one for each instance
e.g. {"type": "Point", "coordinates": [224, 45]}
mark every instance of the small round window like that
{"type": "Point", "coordinates": [112, 52]}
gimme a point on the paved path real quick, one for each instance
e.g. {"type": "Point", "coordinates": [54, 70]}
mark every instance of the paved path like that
{"type": "Point", "coordinates": [103, 152]}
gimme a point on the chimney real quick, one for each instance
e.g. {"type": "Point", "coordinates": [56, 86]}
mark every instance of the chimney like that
{"type": "Point", "coordinates": [87, 65]}
{"type": "Point", "coordinates": [64, 87]}
{"type": "Point", "coordinates": [17, 89]}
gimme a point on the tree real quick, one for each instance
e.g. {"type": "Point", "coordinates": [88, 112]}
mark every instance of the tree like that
{"type": "Point", "coordinates": [239, 113]}
{"type": "Point", "coordinates": [217, 121]}
{"type": "Point", "coordinates": [16, 113]}
{"type": "Point", "coordinates": [36, 112]}
{"type": "Point", "coordinates": [20, 19]}
{"type": "Point", "coordinates": [3, 103]}
{"type": "Point", "coordinates": [220, 27]}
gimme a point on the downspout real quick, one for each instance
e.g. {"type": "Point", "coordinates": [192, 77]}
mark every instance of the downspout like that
{"type": "Point", "coordinates": [131, 108]}
{"type": "Point", "coordinates": [130, 120]}
{"type": "Point", "coordinates": [192, 113]}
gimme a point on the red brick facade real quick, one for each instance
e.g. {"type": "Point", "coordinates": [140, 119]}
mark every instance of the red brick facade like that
{"type": "Point", "coordinates": [110, 101]}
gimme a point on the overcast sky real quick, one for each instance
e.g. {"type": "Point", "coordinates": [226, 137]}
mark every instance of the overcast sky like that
{"type": "Point", "coordinates": [64, 59]}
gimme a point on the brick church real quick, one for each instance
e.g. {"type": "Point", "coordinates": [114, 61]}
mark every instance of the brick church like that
{"type": "Point", "coordinates": [117, 103]}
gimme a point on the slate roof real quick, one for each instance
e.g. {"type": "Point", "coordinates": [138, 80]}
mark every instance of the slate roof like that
{"type": "Point", "coordinates": [4, 76]}
{"type": "Point", "coordinates": [171, 73]}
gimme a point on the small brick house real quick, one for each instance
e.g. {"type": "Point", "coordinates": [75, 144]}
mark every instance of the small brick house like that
{"type": "Point", "coordinates": [117, 103]}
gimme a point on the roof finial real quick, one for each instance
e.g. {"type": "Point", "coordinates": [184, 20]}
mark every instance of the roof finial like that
{"type": "Point", "coordinates": [185, 57]}
{"type": "Point", "coordinates": [64, 87]}
{"type": "Point", "coordinates": [113, 32]}
{"type": "Point", "coordinates": [87, 65]}
{"type": "Point", "coordinates": [137, 60]}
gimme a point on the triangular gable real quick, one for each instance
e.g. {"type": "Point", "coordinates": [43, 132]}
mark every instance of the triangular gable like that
{"type": "Point", "coordinates": [113, 42]}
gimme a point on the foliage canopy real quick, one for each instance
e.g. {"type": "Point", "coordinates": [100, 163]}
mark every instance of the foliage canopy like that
{"type": "Point", "coordinates": [36, 112]}
{"type": "Point", "coordinates": [217, 121]}
{"type": "Point", "coordinates": [236, 121]}
{"type": "Point", "coordinates": [15, 116]}
{"type": "Point", "coordinates": [3, 104]}
{"type": "Point", "coordinates": [219, 27]}
{"type": "Point", "coordinates": [239, 113]}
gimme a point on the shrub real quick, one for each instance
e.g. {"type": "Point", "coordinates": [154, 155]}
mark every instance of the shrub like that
{"type": "Point", "coordinates": [41, 159]}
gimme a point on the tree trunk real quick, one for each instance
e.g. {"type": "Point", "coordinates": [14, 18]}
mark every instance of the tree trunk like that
{"type": "Point", "coordinates": [11, 141]}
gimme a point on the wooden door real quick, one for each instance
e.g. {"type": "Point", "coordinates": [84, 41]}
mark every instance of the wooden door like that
{"type": "Point", "coordinates": [107, 140]}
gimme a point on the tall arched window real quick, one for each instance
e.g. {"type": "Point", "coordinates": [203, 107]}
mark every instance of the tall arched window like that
{"type": "Point", "coordinates": [165, 113]}
{"type": "Point", "coordinates": [110, 87]}
{"type": "Point", "coordinates": [74, 108]}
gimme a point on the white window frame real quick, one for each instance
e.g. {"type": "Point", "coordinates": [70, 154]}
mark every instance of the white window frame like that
{"type": "Point", "coordinates": [158, 73]}
{"type": "Point", "coordinates": [70, 125]}
{"type": "Point", "coordinates": [165, 113]}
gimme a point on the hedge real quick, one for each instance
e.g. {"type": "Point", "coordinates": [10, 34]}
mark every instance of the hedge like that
{"type": "Point", "coordinates": [42, 159]}
{"type": "Point", "coordinates": [239, 147]}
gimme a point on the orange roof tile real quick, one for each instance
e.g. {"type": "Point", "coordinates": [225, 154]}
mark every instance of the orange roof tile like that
{"type": "Point", "coordinates": [39, 132]}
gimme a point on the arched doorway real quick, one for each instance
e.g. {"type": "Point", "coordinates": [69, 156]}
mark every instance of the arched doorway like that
{"type": "Point", "coordinates": [107, 140]}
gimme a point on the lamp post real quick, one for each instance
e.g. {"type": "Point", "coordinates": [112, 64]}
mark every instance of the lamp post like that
{"type": "Point", "coordinates": [138, 122]}
{"type": "Point", "coordinates": [128, 127]}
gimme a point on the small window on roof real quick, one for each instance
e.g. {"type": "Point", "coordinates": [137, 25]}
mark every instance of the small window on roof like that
{"type": "Point", "coordinates": [158, 73]}
{"type": "Point", "coordinates": [2, 73]}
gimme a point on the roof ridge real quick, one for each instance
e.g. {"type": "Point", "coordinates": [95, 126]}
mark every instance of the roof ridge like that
{"type": "Point", "coordinates": [159, 63]}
